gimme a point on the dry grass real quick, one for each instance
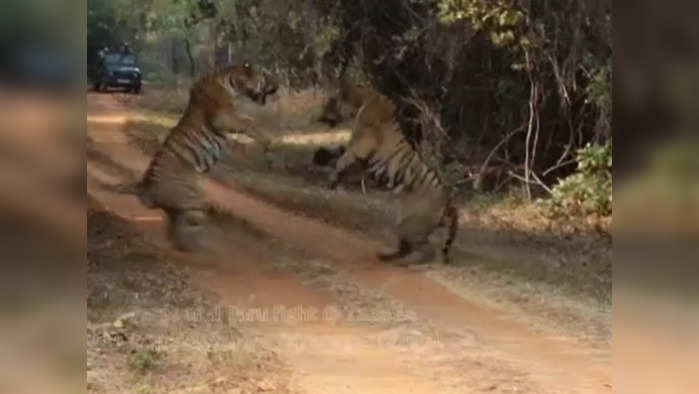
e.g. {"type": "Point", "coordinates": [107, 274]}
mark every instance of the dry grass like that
{"type": "Point", "coordinates": [511, 212]}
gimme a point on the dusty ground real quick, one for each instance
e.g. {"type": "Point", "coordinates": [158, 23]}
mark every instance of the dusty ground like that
{"type": "Point", "coordinates": [290, 303]}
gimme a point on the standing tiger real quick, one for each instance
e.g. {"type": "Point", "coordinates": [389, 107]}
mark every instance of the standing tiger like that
{"type": "Point", "coordinates": [224, 101]}
{"type": "Point", "coordinates": [377, 142]}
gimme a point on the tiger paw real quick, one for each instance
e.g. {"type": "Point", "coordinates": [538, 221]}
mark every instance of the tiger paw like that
{"type": "Point", "coordinates": [388, 254]}
{"type": "Point", "coordinates": [334, 180]}
{"type": "Point", "coordinates": [419, 258]}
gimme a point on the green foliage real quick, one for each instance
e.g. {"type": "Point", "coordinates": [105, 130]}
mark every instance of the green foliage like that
{"type": "Point", "coordinates": [501, 20]}
{"type": "Point", "coordinates": [595, 158]}
{"type": "Point", "coordinates": [485, 68]}
{"type": "Point", "coordinates": [144, 360]}
{"type": "Point", "coordinates": [161, 32]}
{"type": "Point", "coordinates": [589, 189]}
{"type": "Point", "coordinates": [598, 90]}
{"type": "Point", "coordinates": [323, 40]}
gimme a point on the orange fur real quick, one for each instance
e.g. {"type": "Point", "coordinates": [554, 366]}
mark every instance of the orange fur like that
{"type": "Point", "coordinates": [378, 142]}
{"type": "Point", "coordinates": [219, 102]}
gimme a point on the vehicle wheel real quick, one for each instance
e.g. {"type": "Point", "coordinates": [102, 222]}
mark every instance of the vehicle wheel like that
{"type": "Point", "coordinates": [96, 87]}
{"type": "Point", "coordinates": [136, 89]}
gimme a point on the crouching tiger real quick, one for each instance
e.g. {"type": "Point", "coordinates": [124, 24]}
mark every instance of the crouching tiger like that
{"type": "Point", "coordinates": [220, 102]}
{"type": "Point", "coordinates": [377, 142]}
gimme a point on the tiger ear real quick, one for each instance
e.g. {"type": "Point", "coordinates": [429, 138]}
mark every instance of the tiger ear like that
{"type": "Point", "coordinates": [247, 67]}
{"type": "Point", "coordinates": [344, 87]}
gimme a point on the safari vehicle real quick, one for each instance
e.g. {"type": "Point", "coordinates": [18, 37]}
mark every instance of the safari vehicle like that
{"type": "Point", "coordinates": [118, 69]}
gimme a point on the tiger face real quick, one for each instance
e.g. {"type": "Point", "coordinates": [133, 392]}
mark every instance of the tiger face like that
{"type": "Point", "coordinates": [255, 84]}
{"type": "Point", "coordinates": [343, 103]}
{"type": "Point", "coordinates": [233, 87]}
{"type": "Point", "coordinates": [231, 99]}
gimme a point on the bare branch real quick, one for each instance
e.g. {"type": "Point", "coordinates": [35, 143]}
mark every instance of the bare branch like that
{"type": "Point", "coordinates": [536, 181]}
{"type": "Point", "coordinates": [557, 166]}
{"type": "Point", "coordinates": [495, 149]}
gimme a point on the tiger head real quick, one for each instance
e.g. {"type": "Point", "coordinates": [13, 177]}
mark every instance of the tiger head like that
{"type": "Point", "coordinates": [233, 86]}
{"type": "Point", "coordinates": [343, 102]}
{"type": "Point", "coordinates": [257, 85]}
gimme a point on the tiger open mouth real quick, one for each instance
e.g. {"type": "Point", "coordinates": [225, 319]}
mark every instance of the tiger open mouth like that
{"type": "Point", "coordinates": [256, 96]}
{"type": "Point", "coordinates": [259, 98]}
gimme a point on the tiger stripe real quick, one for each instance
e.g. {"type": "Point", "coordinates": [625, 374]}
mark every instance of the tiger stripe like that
{"type": "Point", "coordinates": [378, 142]}
{"type": "Point", "coordinates": [197, 143]}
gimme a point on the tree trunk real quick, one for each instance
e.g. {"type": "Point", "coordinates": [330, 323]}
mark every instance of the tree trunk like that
{"type": "Point", "coordinates": [187, 48]}
{"type": "Point", "coordinates": [173, 54]}
{"type": "Point", "coordinates": [213, 39]}
{"type": "Point", "coordinates": [229, 51]}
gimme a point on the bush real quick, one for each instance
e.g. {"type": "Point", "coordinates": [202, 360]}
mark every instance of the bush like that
{"type": "Point", "coordinates": [589, 189]}
{"type": "Point", "coordinates": [144, 360]}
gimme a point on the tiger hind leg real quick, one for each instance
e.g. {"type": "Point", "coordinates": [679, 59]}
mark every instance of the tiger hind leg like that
{"type": "Point", "coordinates": [403, 249]}
{"type": "Point", "coordinates": [422, 253]}
{"type": "Point", "coordinates": [451, 220]}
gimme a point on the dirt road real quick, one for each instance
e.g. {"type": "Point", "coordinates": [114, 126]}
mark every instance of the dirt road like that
{"type": "Point", "coordinates": [342, 321]}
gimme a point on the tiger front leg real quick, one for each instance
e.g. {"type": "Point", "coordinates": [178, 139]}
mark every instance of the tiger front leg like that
{"type": "Point", "coordinates": [267, 142]}
{"type": "Point", "coordinates": [242, 124]}
{"type": "Point", "coordinates": [344, 162]}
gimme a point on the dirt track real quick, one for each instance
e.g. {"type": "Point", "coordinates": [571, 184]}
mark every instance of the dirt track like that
{"type": "Point", "coordinates": [423, 338]}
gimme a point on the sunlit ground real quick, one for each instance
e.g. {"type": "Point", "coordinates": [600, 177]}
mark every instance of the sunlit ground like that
{"type": "Point", "coordinates": [321, 138]}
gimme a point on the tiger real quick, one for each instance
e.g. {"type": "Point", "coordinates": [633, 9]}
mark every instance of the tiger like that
{"type": "Point", "coordinates": [219, 102]}
{"type": "Point", "coordinates": [424, 202]}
